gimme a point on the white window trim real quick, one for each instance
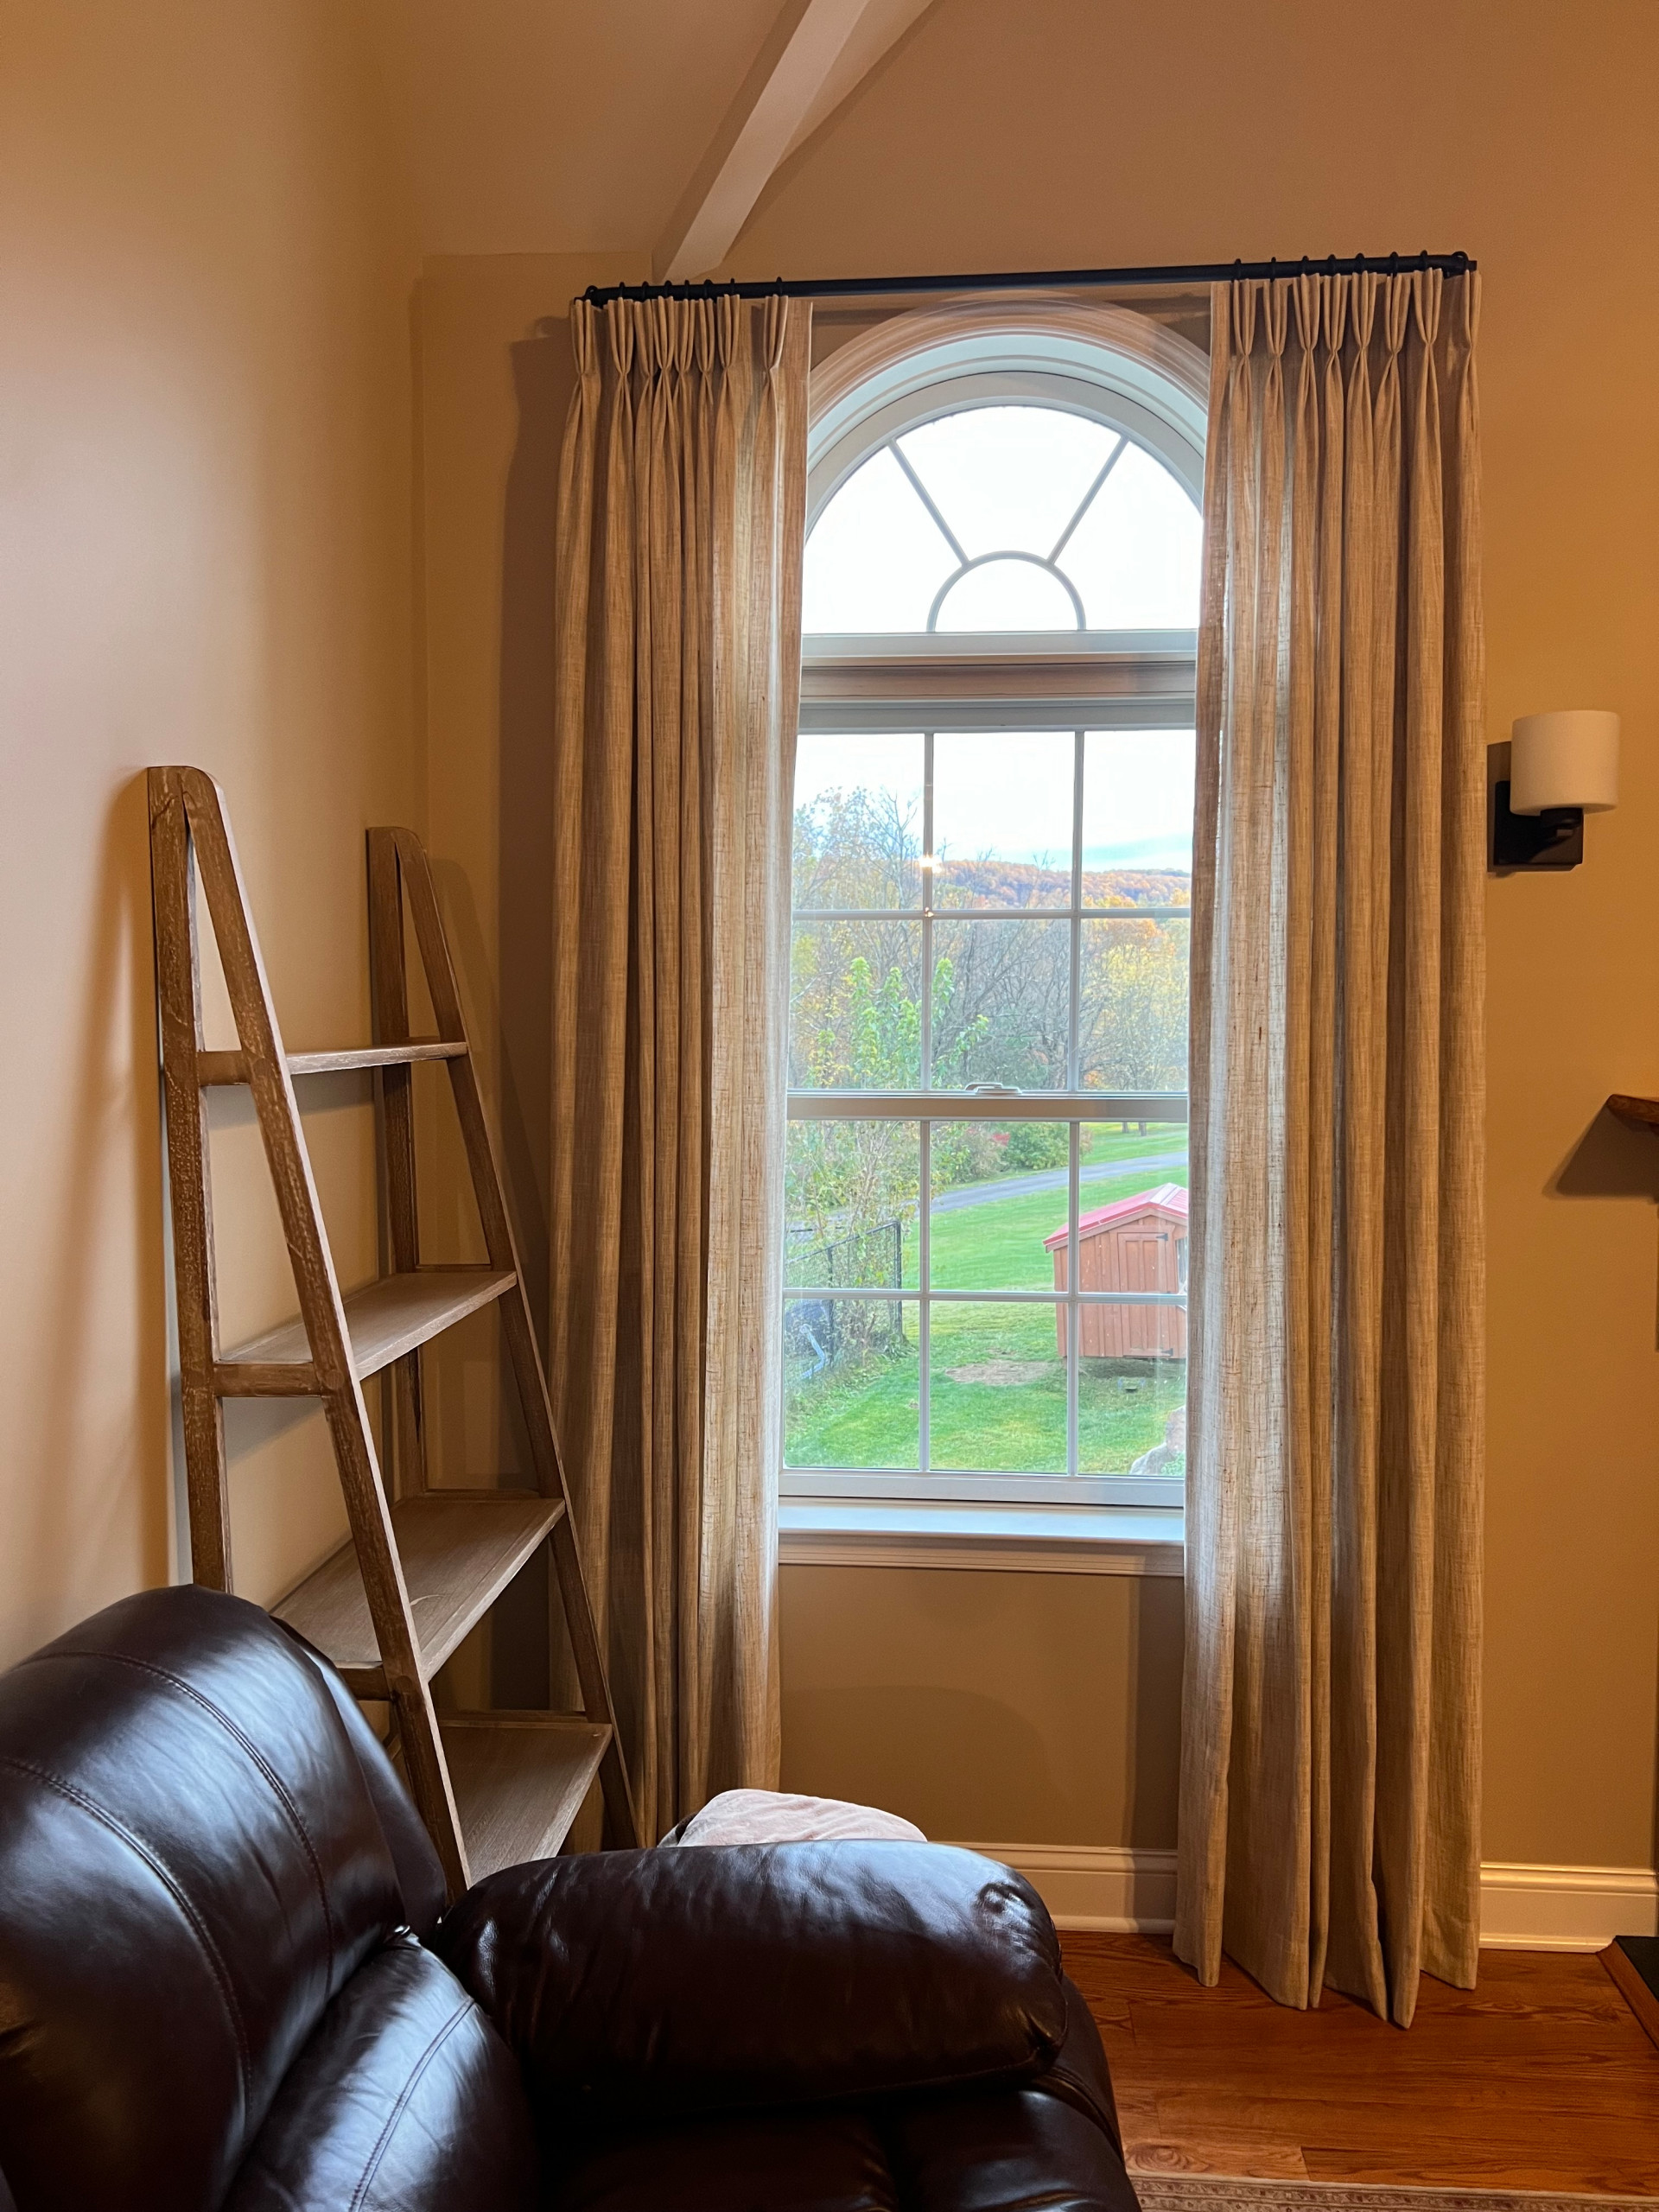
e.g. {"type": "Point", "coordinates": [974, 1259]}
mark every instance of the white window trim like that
{"type": "Point", "coordinates": [1103, 679]}
{"type": "Point", "coordinates": [1150, 384]}
{"type": "Point", "coordinates": [1068, 1539]}
{"type": "Point", "coordinates": [1106, 362]}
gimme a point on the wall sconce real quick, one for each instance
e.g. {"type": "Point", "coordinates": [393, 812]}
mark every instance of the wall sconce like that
{"type": "Point", "coordinates": [1562, 767]}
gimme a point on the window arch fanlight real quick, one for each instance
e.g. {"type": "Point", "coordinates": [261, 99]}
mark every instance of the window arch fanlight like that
{"type": "Point", "coordinates": [985, 470]}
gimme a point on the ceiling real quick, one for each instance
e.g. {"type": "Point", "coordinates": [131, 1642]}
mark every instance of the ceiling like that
{"type": "Point", "coordinates": [537, 126]}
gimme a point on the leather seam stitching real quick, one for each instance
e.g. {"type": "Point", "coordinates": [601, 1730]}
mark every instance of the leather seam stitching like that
{"type": "Point", "coordinates": [158, 1866]}
{"type": "Point", "coordinates": [279, 1788]}
{"type": "Point", "coordinates": [372, 2168]}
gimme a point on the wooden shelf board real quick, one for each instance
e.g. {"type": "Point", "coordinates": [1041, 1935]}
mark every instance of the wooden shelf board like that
{"type": "Point", "coordinates": [376, 1056]}
{"type": "Point", "coordinates": [519, 1779]}
{"type": "Point", "coordinates": [1635, 1113]}
{"type": "Point", "coordinates": [386, 1318]}
{"type": "Point", "coordinates": [460, 1549]}
{"type": "Point", "coordinates": [232, 1066]}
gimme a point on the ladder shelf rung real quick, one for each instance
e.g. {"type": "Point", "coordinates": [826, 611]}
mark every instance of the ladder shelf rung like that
{"type": "Point", "coordinates": [213, 1068]}
{"type": "Point", "coordinates": [519, 1779]}
{"type": "Point", "coordinates": [460, 1548]}
{"type": "Point", "coordinates": [385, 1319]}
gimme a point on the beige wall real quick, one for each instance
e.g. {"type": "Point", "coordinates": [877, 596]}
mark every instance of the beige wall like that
{"type": "Point", "coordinates": [203, 502]}
{"type": "Point", "coordinates": [1053, 132]}
{"type": "Point", "coordinates": [988, 1707]}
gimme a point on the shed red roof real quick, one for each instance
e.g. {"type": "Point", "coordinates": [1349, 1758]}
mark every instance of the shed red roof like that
{"type": "Point", "coordinates": [1168, 1199]}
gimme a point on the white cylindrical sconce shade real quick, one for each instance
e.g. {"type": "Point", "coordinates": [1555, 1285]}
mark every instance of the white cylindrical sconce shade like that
{"type": "Point", "coordinates": [1569, 758]}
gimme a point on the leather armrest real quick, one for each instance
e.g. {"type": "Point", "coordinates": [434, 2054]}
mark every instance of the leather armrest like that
{"type": "Point", "coordinates": [634, 1985]}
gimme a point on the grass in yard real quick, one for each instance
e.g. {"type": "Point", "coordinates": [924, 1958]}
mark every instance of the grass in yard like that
{"type": "Point", "coordinates": [859, 1416]}
{"type": "Point", "coordinates": [867, 1414]}
{"type": "Point", "coordinates": [999, 1245]}
{"type": "Point", "coordinates": [1122, 1408]}
{"type": "Point", "coordinates": [1019, 1426]}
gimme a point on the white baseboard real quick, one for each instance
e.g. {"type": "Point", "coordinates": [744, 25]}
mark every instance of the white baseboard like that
{"type": "Point", "coordinates": [1565, 1908]}
{"type": "Point", "coordinates": [1522, 1908]}
{"type": "Point", "coordinates": [1121, 1892]}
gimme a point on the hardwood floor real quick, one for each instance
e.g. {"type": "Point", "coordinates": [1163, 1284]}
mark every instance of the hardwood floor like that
{"type": "Point", "coordinates": [1542, 2078]}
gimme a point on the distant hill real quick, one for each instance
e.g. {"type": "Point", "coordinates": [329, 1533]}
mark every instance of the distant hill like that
{"type": "Point", "coordinates": [1019, 883]}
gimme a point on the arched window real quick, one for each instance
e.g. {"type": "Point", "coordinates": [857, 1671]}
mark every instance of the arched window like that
{"type": "Point", "coordinates": [985, 1270]}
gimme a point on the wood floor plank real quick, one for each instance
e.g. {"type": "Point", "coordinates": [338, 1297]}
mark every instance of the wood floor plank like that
{"type": "Point", "coordinates": [1233, 2157]}
{"type": "Point", "coordinates": [1594, 2168]}
{"type": "Point", "coordinates": [1376, 2125]}
{"type": "Point", "coordinates": [1540, 2078]}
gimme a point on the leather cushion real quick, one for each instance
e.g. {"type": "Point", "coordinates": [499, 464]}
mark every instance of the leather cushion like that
{"type": "Point", "coordinates": [1016, 2151]}
{"type": "Point", "coordinates": [792, 2163]}
{"type": "Point", "coordinates": [420, 1875]}
{"type": "Point", "coordinates": [193, 1868]}
{"type": "Point", "coordinates": [404, 2100]}
{"type": "Point", "coordinates": [1049, 2145]}
{"type": "Point", "coordinates": [1079, 2075]}
{"type": "Point", "coordinates": [1046, 2146]}
{"type": "Point", "coordinates": [637, 1983]}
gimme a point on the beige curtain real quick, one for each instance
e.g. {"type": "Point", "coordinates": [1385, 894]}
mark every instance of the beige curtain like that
{"type": "Point", "coordinates": [1330, 1774]}
{"type": "Point", "coordinates": [682, 516]}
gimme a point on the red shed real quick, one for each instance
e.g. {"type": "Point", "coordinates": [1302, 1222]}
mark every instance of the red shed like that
{"type": "Point", "coordinates": [1137, 1244]}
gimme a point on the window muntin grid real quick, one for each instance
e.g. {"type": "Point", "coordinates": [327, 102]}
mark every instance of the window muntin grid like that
{"type": "Point", "coordinates": [902, 1089]}
{"type": "Point", "coordinates": [904, 544]}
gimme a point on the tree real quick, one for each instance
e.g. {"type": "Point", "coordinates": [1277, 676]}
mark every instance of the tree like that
{"type": "Point", "coordinates": [1132, 1006]}
{"type": "Point", "coordinates": [1001, 1003]}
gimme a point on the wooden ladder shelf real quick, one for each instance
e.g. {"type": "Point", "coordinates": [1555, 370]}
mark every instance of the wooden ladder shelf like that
{"type": "Point", "coordinates": [422, 1566]}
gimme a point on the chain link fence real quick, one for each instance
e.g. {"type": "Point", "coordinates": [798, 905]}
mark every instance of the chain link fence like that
{"type": "Point", "coordinates": [824, 1333]}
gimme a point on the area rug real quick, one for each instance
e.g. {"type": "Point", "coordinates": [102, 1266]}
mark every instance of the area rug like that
{"type": "Point", "coordinates": [1202, 2193]}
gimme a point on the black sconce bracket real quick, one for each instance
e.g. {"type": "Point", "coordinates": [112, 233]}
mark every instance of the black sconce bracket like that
{"type": "Point", "coordinates": [1552, 839]}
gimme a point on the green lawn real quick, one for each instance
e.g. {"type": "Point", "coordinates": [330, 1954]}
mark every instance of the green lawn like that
{"type": "Point", "coordinates": [999, 1245]}
{"type": "Point", "coordinates": [867, 1416]}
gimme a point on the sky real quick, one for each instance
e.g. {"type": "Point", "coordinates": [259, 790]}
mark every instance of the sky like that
{"type": "Point", "coordinates": [1014, 488]}
{"type": "Point", "coordinates": [1008, 795]}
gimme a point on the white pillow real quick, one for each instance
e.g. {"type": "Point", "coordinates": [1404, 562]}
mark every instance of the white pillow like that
{"type": "Point", "coordinates": [775, 1816]}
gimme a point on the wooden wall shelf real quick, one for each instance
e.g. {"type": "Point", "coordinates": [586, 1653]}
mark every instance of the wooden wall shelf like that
{"type": "Point", "coordinates": [1635, 1113]}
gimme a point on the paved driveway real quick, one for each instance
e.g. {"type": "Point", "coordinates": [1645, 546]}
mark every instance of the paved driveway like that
{"type": "Point", "coordinates": [1052, 1179]}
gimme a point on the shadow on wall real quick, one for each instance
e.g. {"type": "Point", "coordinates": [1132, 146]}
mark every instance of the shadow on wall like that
{"type": "Point", "coordinates": [1082, 1748]}
{"type": "Point", "coordinates": [542, 378]}
{"type": "Point", "coordinates": [1613, 1160]}
{"type": "Point", "coordinates": [940, 1756]}
{"type": "Point", "coordinates": [100, 1466]}
{"type": "Point", "coordinates": [1610, 1161]}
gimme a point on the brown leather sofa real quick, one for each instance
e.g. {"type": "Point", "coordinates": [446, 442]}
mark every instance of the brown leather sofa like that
{"type": "Point", "coordinates": [225, 1982]}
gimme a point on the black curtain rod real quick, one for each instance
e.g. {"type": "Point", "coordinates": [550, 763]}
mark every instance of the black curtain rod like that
{"type": "Point", "coordinates": [1026, 280]}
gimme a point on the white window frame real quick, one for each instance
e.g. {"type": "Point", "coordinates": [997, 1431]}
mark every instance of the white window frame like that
{"type": "Point", "coordinates": [1150, 385]}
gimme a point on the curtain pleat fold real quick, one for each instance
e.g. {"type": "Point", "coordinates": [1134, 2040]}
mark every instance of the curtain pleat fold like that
{"type": "Point", "coordinates": [1330, 1789]}
{"type": "Point", "coordinates": [682, 516]}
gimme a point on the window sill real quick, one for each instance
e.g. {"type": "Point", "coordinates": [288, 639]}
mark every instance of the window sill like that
{"type": "Point", "coordinates": [1021, 1540]}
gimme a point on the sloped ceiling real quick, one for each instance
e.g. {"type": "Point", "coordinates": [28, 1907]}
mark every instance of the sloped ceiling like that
{"type": "Point", "coordinates": [571, 126]}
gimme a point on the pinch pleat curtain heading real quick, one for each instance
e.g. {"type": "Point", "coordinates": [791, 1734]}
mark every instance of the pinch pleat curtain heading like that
{"type": "Point", "coordinates": [1330, 1810]}
{"type": "Point", "coordinates": [681, 526]}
